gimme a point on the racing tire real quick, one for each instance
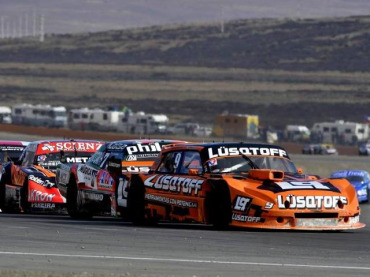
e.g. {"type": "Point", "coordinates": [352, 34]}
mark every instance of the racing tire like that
{"type": "Point", "coordinates": [219, 205]}
{"type": "Point", "coordinates": [25, 206]}
{"type": "Point", "coordinates": [136, 203]}
{"type": "Point", "coordinates": [74, 208]}
{"type": "Point", "coordinates": [2, 195]}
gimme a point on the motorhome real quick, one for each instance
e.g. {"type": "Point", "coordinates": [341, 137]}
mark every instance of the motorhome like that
{"type": "Point", "coordinates": [39, 115]}
{"type": "Point", "coordinates": [340, 132]}
{"type": "Point", "coordinates": [5, 114]}
{"type": "Point", "coordinates": [142, 123]}
{"type": "Point", "coordinates": [93, 119]}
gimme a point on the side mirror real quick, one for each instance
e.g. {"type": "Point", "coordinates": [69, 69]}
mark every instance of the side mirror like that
{"type": "Point", "coordinates": [114, 166]}
{"type": "Point", "coordinates": [62, 157]}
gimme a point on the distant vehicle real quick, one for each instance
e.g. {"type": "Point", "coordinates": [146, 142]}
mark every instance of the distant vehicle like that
{"type": "Point", "coordinates": [241, 185]}
{"type": "Point", "coordinates": [340, 132]}
{"type": "Point", "coordinates": [29, 184]}
{"type": "Point", "coordinates": [185, 128]}
{"type": "Point", "coordinates": [364, 149]}
{"type": "Point", "coordinates": [241, 126]}
{"type": "Point", "coordinates": [141, 123]}
{"type": "Point", "coordinates": [10, 151]}
{"type": "Point", "coordinates": [98, 186]}
{"type": "Point", "coordinates": [359, 179]}
{"type": "Point", "coordinates": [320, 149]}
{"type": "Point", "coordinates": [297, 133]}
{"type": "Point", "coordinates": [203, 131]}
{"type": "Point", "coordinates": [39, 115]}
{"type": "Point", "coordinates": [5, 115]}
{"type": "Point", "coordinates": [93, 119]}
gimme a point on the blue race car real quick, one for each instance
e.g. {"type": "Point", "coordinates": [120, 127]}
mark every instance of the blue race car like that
{"type": "Point", "coordinates": [360, 179]}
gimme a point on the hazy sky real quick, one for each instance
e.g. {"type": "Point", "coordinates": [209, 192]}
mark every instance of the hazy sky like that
{"type": "Point", "coordinates": [71, 16]}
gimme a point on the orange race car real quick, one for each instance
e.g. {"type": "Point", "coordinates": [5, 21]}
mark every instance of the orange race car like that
{"type": "Point", "coordinates": [29, 183]}
{"type": "Point", "coordinates": [239, 184]}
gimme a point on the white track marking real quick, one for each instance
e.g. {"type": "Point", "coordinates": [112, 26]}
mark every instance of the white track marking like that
{"type": "Point", "coordinates": [183, 260]}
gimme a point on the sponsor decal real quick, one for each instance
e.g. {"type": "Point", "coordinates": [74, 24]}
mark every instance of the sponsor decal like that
{"type": "Point", "coordinates": [269, 205]}
{"type": "Point", "coordinates": [40, 196]}
{"type": "Point", "coordinates": [105, 180]}
{"type": "Point", "coordinates": [77, 159]}
{"type": "Point", "coordinates": [131, 158]}
{"type": "Point", "coordinates": [242, 203]}
{"type": "Point", "coordinates": [136, 169]}
{"type": "Point", "coordinates": [246, 218]}
{"type": "Point", "coordinates": [92, 196]}
{"type": "Point", "coordinates": [78, 146]}
{"type": "Point", "coordinates": [171, 201]}
{"type": "Point", "coordinates": [70, 146]}
{"type": "Point", "coordinates": [43, 205]}
{"type": "Point", "coordinates": [11, 148]}
{"type": "Point", "coordinates": [88, 171]}
{"type": "Point", "coordinates": [48, 147]}
{"type": "Point", "coordinates": [310, 202]}
{"type": "Point", "coordinates": [175, 184]}
{"type": "Point", "coordinates": [255, 151]}
{"type": "Point", "coordinates": [45, 183]}
{"type": "Point", "coordinates": [140, 148]}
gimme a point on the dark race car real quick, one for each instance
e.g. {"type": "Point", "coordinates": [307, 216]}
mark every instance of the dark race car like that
{"type": "Point", "coordinates": [29, 183]}
{"type": "Point", "coordinates": [241, 185]}
{"type": "Point", "coordinates": [11, 150]}
{"type": "Point", "coordinates": [90, 188]}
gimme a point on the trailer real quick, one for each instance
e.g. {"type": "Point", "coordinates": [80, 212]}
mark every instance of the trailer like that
{"type": "Point", "coordinates": [340, 132]}
{"type": "Point", "coordinates": [240, 126]}
{"type": "Point", "coordinates": [39, 115]}
{"type": "Point", "coordinates": [5, 114]}
{"type": "Point", "coordinates": [93, 119]}
{"type": "Point", "coordinates": [143, 124]}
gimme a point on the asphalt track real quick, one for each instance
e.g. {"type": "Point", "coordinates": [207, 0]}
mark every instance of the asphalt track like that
{"type": "Point", "coordinates": [56, 243]}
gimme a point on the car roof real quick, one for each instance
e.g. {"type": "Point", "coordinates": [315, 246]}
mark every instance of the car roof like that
{"type": "Point", "coordinates": [14, 142]}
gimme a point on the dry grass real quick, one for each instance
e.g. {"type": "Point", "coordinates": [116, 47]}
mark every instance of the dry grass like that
{"type": "Point", "coordinates": [72, 81]}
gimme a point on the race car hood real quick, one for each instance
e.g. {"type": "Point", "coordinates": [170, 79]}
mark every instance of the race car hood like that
{"type": "Point", "coordinates": [283, 193]}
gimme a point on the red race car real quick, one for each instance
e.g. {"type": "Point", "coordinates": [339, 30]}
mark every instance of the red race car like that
{"type": "Point", "coordinates": [29, 183]}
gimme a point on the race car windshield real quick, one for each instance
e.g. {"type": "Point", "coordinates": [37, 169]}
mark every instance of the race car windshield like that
{"type": "Point", "coordinates": [52, 160]}
{"type": "Point", "coordinates": [355, 178]}
{"type": "Point", "coordinates": [10, 156]}
{"type": "Point", "coordinates": [238, 164]}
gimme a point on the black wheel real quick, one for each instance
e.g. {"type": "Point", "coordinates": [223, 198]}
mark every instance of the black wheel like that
{"type": "Point", "coordinates": [136, 203]}
{"type": "Point", "coordinates": [219, 205]}
{"type": "Point", "coordinates": [24, 204]}
{"type": "Point", "coordinates": [74, 207]}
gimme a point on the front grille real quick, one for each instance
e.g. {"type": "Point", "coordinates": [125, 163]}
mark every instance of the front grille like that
{"type": "Point", "coordinates": [316, 215]}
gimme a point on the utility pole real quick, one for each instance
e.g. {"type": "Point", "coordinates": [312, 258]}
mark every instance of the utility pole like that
{"type": "Point", "coordinates": [222, 11]}
{"type": "Point", "coordinates": [20, 27]}
{"type": "Point", "coordinates": [2, 27]}
{"type": "Point", "coordinates": [34, 24]}
{"type": "Point", "coordinates": [42, 32]}
{"type": "Point", "coordinates": [26, 25]}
